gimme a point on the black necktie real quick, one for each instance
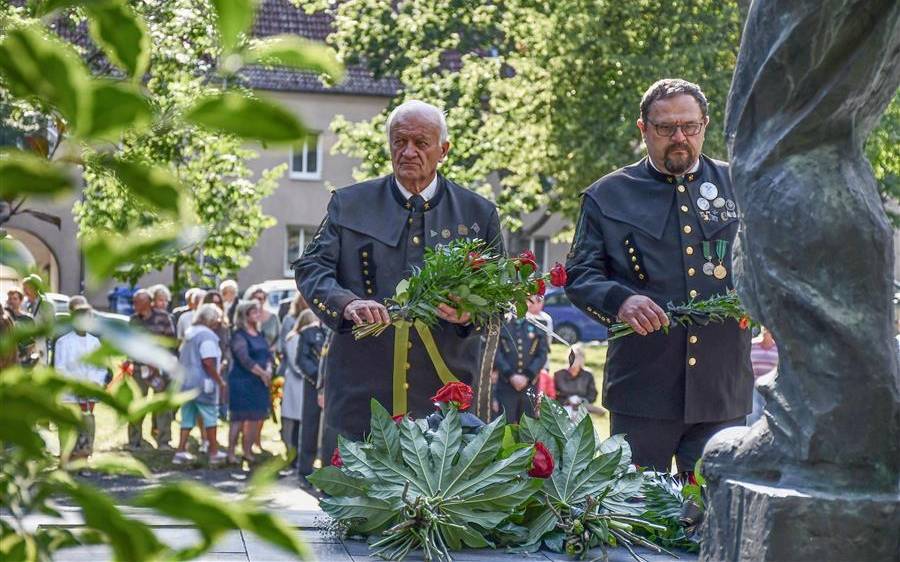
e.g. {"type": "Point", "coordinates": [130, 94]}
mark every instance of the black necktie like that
{"type": "Point", "coordinates": [417, 202]}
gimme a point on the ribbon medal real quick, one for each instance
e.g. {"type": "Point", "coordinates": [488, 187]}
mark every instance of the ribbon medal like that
{"type": "Point", "coordinates": [708, 267]}
{"type": "Point", "coordinates": [721, 248]}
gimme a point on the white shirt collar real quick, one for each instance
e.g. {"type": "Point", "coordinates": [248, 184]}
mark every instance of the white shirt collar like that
{"type": "Point", "coordinates": [693, 169]}
{"type": "Point", "coordinates": [426, 193]}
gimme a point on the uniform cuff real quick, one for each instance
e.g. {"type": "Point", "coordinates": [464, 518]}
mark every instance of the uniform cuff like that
{"type": "Point", "coordinates": [615, 296]}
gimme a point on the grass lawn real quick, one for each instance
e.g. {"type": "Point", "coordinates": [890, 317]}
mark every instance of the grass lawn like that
{"type": "Point", "coordinates": [111, 436]}
{"type": "Point", "coordinates": [595, 359]}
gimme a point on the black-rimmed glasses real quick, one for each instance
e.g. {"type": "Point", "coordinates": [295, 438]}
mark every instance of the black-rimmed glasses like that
{"type": "Point", "coordinates": [668, 130]}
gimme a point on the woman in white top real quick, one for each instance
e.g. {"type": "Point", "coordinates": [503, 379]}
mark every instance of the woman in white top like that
{"type": "Point", "coordinates": [69, 351]}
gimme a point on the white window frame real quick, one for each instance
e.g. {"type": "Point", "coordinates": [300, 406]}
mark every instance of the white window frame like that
{"type": "Point", "coordinates": [317, 175]}
{"type": "Point", "coordinates": [304, 230]}
{"type": "Point", "coordinates": [532, 244]}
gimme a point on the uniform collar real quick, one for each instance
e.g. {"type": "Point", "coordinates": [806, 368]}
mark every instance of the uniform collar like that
{"type": "Point", "coordinates": [694, 173]}
{"type": "Point", "coordinates": [427, 193]}
{"type": "Point", "coordinates": [436, 191]}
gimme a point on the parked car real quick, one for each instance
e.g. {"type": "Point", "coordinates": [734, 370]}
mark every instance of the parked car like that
{"type": "Point", "coordinates": [276, 290]}
{"type": "Point", "coordinates": [570, 323]}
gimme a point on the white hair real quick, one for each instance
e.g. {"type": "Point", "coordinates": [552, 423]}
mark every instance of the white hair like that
{"type": "Point", "coordinates": [228, 284]}
{"type": "Point", "coordinates": [161, 289]}
{"type": "Point", "coordinates": [416, 107]}
{"type": "Point", "coordinates": [207, 314]}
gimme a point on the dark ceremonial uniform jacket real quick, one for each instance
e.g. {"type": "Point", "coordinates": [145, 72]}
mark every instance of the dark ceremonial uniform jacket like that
{"type": "Point", "coordinates": [369, 241]}
{"type": "Point", "coordinates": [522, 349]}
{"type": "Point", "coordinates": [641, 232]}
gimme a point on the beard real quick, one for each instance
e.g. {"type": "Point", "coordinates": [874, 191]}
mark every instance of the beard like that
{"type": "Point", "coordinates": [678, 164]}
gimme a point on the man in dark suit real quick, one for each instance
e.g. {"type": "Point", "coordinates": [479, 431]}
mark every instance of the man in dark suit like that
{"type": "Point", "coordinates": [372, 237]}
{"type": "Point", "coordinates": [659, 231]}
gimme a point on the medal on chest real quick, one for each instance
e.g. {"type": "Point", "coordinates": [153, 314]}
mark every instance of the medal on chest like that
{"type": "Point", "coordinates": [721, 249]}
{"type": "Point", "coordinates": [708, 266]}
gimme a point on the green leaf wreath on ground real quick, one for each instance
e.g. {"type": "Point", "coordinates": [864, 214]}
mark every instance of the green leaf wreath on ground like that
{"type": "Point", "coordinates": [449, 482]}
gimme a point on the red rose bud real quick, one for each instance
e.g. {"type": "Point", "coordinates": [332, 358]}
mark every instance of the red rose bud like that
{"type": "Point", "coordinates": [475, 260]}
{"type": "Point", "coordinates": [558, 275]}
{"type": "Point", "coordinates": [540, 287]}
{"type": "Point", "coordinates": [528, 258]}
{"type": "Point", "coordinates": [744, 323]}
{"type": "Point", "coordinates": [336, 459]}
{"type": "Point", "coordinates": [455, 393]}
{"type": "Point", "coordinates": [398, 418]}
{"type": "Point", "coordinates": [528, 255]}
{"type": "Point", "coordinates": [692, 479]}
{"type": "Point", "coordinates": [541, 462]}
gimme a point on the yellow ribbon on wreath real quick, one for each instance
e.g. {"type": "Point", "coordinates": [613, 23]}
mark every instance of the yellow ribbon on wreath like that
{"type": "Point", "coordinates": [401, 352]}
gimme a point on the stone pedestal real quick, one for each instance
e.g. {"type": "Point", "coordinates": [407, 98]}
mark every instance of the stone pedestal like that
{"type": "Point", "coordinates": [754, 521]}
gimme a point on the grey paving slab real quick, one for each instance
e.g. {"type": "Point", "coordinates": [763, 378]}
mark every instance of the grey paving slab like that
{"type": "Point", "coordinates": [223, 557]}
{"type": "Point", "coordinates": [622, 555]}
{"type": "Point", "coordinates": [182, 537]}
{"type": "Point", "coordinates": [260, 551]}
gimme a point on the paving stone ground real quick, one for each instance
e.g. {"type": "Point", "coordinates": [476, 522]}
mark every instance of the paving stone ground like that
{"type": "Point", "coordinates": [300, 510]}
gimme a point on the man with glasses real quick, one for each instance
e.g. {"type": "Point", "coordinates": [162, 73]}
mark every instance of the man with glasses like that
{"type": "Point", "coordinates": [656, 232]}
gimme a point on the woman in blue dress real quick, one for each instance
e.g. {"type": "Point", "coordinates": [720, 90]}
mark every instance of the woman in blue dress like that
{"type": "Point", "coordinates": [249, 380]}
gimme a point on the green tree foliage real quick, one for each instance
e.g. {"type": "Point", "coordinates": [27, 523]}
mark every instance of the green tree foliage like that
{"type": "Point", "coordinates": [544, 94]}
{"type": "Point", "coordinates": [142, 137]}
{"type": "Point", "coordinates": [883, 151]}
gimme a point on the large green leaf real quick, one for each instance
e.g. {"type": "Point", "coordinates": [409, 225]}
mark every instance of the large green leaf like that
{"type": "Point", "coordinates": [396, 471]}
{"type": "Point", "coordinates": [478, 453]}
{"type": "Point", "coordinates": [129, 538]}
{"type": "Point", "coordinates": [531, 431]}
{"type": "Point", "coordinates": [598, 476]}
{"type": "Point", "coordinates": [233, 18]}
{"type": "Point", "coordinates": [577, 454]}
{"type": "Point", "coordinates": [45, 70]}
{"type": "Point", "coordinates": [457, 538]}
{"type": "Point", "coordinates": [296, 52]}
{"type": "Point", "coordinates": [115, 107]}
{"type": "Point", "coordinates": [23, 173]}
{"type": "Point", "coordinates": [617, 443]}
{"type": "Point", "coordinates": [355, 458]}
{"type": "Point", "coordinates": [463, 515]}
{"type": "Point", "coordinates": [555, 420]}
{"type": "Point", "coordinates": [122, 34]}
{"type": "Point", "coordinates": [539, 526]}
{"type": "Point", "coordinates": [414, 450]}
{"type": "Point", "coordinates": [334, 482]}
{"type": "Point", "coordinates": [385, 434]}
{"type": "Point", "coordinates": [373, 514]}
{"type": "Point", "coordinates": [247, 117]}
{"type": "Point", "coordinates": [154, 185]}
{"type": "Point", "coordinates": [624, 489]}
{"type": "Point", "coordinates": [444, 447]}
{"type": "Point", "coordinates": [503, 496]}
{"type": "Point", "coordinates": [500, 471]}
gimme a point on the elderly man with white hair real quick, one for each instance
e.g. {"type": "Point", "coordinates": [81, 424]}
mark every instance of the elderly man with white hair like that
{"type": "Point", "coordinates": [372, 237]}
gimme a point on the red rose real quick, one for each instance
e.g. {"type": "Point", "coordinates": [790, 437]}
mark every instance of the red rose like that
{"type": "Point", "coordinates": [398, 418]}
{"type": "Point", "coordinates": [692, 479]}
{"type": "Point", "coordinates": [528, 257]}
{"type": "Point", "coordinates": [541, 287]}
{"type": "Point", "coordinates": [541, 462]}
{"type": "Point", "coordinates": [744, 323]}
{"type": "Point", "coordinates": [336, 459]}
{"type": "Point", "coordinates": [475, 260]}
{"type": "Point", "coordinates": [558, 275]}
{"type": "Point", "coordinates": [455, 393]}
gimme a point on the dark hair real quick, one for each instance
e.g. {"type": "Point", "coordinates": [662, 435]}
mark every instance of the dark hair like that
{"type": "Point", "coordinates": [210, 296]}
{"type": "Point", "coordinates": [669, 88]}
